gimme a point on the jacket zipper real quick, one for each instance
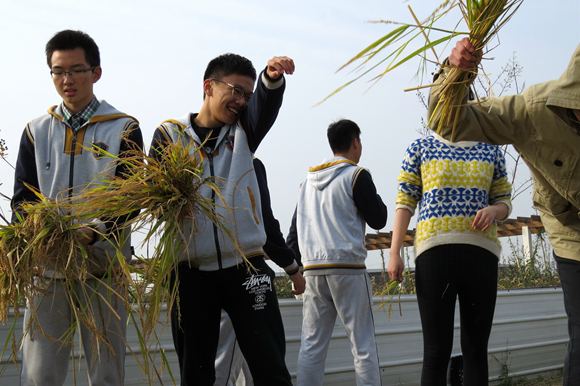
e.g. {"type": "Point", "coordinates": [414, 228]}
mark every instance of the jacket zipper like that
{"type": "Point", "coordinates": [215, 229]}
{"type": "Point", "coordinates": [72, 163]}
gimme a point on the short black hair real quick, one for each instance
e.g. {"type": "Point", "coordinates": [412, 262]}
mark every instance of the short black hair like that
{"type": "Point", "coordinates": [341, 134]}
{"type": "Point", "coordinates": [228, 64]}
{"type": "Point", "coordinates": [69, 40]}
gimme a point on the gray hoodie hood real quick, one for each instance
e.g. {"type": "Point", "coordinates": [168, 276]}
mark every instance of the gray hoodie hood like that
{"type": "Point", "coordinates": [320, 176]}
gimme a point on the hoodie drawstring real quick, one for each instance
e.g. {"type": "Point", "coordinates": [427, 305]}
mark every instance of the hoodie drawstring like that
{"type": "Point", "coordinates": [50, 133]}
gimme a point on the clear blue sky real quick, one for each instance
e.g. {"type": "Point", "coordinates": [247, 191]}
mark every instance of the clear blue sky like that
{"type": "Point", "coordinates": [154, 54]}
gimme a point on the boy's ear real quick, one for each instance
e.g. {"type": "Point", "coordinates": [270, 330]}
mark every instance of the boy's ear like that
{"type": "Point", "coordinates": [207, 87]}
{"type": "Point", "coordinates": [97, 72]}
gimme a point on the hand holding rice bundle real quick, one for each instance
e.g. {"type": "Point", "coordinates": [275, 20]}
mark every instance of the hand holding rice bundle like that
{"type": "Point", "coordinates": [484, 18]}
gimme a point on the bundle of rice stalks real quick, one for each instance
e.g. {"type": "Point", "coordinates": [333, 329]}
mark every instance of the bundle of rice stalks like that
{"type": "Point", "coordinates": [166, 187]}
{"type": "Point", "coordinates": [484, 18]}
{"type": "Point", "coordinates": [43, 239]}
{"type": "Point", "coordinates": [42, 246]}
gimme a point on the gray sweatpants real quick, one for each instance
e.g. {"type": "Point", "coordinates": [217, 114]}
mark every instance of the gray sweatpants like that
{"type": "Point", "coordinates": [231, 369]}
{"type": "Point", "coordinates": [349, 297]}
{"type": "Point", "coordinates": [45, 362]}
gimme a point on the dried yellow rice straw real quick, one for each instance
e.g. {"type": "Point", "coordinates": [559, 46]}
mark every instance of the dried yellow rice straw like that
{"type": "Point", "coordinates": [484, 18]}
{"type": "Point", "coordinates": [166, 188]}
{"type": "Point", "coordinates": [43, 239]}
{"type": "Point", "coordinates": [46, 238]}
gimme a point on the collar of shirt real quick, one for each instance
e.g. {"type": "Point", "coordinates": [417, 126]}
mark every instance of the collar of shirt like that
{"type": "Point", "coordinates": [203, 134]}
{"type": "Point", "coordinates": [78, 119]}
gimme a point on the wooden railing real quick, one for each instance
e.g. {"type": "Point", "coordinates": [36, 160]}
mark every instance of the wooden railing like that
{"type": "Point", "coordinates": [510, 227]}
{"type": "Point", "coordinates": [525, 226]}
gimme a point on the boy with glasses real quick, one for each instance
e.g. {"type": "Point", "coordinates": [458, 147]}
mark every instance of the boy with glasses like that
{"type": "Point", "coordinates": [212, 276]}
{"type": "Point", "coordinates": [53, 159]}
{"type": "Point", "coordinates": [231, 368]}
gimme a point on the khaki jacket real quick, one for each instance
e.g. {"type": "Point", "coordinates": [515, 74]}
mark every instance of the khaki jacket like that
{"type": "Point", "coordinates": [541, 127]}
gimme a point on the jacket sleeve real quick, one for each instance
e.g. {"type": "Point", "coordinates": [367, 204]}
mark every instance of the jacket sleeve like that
{"type": "Point", "coordinates": [159, 141]}
{"type": "Point", "coordinates": [130, 144]}
{"type": "Point", "coordinates": [292, 239]}
{"type": "Point", "coordinates": [368, 202]}
{"type": "Point", "coordinates": [410, 188]}
{"type": "Point", "coordinates": [262, 109]}
{"type": "Point", "coordinates": [497, 121]}
{"type": "Point", "coordinates": [25, 174]}
{"type": "Point", "coordinates": [275, 246]}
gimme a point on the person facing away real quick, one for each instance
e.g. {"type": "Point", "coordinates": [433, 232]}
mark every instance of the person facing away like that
{"type": "Point", "coordinates": [543, 125]}
{"type": "Point", "coordinates": [53, 159]}
{"type": "Point", "coordinates": [231, 367]}
{"type": "Point", "coordinates": [335, 202]}
{"type": "Point", "coordinates": [461, 189]}
{"type": "Point", "coordinates": [212, 276]}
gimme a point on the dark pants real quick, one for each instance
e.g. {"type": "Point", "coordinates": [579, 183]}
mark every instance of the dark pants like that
{"type": "Point", "coordinates": [252, 305]}
{"type": "Point", "coordinates": [444, 273]}
{"type": "Point", "coordinates": [569, 271]}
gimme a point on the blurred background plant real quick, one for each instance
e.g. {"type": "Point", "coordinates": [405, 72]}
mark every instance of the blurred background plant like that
{"type": "Point", "coordinates": [521, 271]}
{"type": "Point", "coordinates": [283, 286]}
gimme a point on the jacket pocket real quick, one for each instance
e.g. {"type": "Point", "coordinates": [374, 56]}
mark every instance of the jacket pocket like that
{"type": "Point", "coordinates": [569, 218]}
{"type": "Point", "coordinates": [556, 206]}
{"type": "Point", "coordinates": [253, 201]}
{"type": "Point", "coordinates": [560, 169]}
{"type": "Point", "coordinates": [546, 198]}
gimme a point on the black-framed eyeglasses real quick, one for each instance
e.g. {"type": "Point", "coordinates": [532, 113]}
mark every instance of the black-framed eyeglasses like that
{"type": "Point", "coordinates": [73, 73]}
{"type": "Point", "coordinates": [237, 91]}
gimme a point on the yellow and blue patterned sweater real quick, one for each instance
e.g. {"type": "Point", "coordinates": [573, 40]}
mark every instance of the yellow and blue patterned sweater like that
{"type": "Point", "coordinates": [451, 182]}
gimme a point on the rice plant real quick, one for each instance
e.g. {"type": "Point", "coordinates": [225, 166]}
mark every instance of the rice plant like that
{"type": "Point", "coordinates": [41, 247]}
{"type": "Point", "coordinates": [521, 270]}
{"type": "Point", "coordinates": [157, 194]}
{"type": "Point", "coordinates": [482, 18]}
{"type": "Point", "coordinates": [166, 187]}
{"type": "Point", "coordinates": [44, 238]}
